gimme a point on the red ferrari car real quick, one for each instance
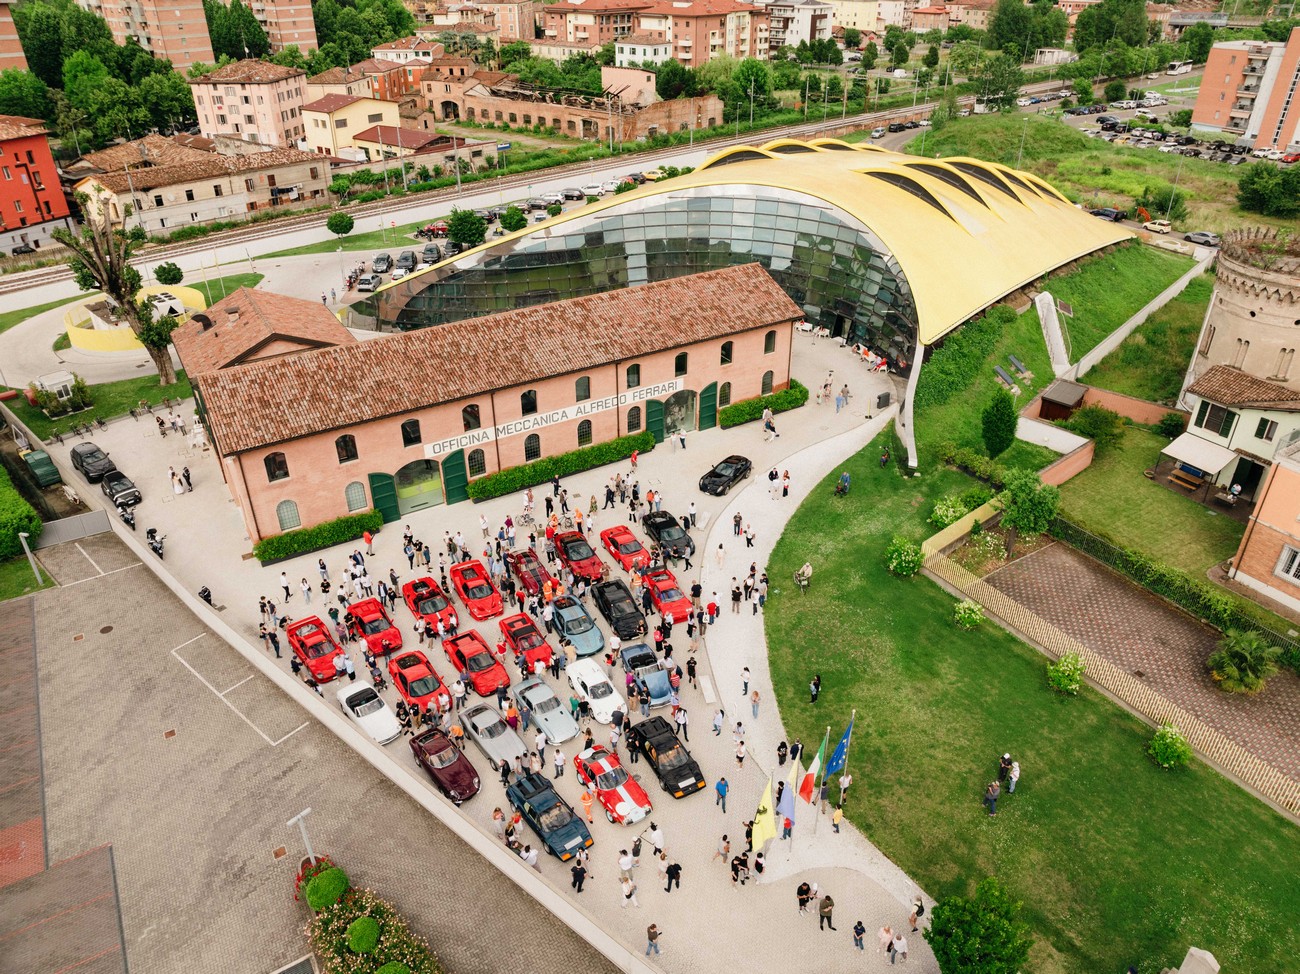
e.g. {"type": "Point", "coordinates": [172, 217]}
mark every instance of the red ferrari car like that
{"type": "Point", "coordinates": [625, 549]}
{"type": "Point", "coordinates": [471, 656]}
{"type": "Point", "coordinates": [471, 582]}
{"type": "Point", "coordinates": [368, 620]}
{"type": "Point", "coordinates": [429, 602]}
{"type": "Point", "coordinates": [417, 682]}
{"type": "Point", "coordinates": [312, 643]}
{"type": "Point", "coordinates": [667, 595]}
{"type": "Point", "coordinates": [524, 639]}
{"type": "Point", "coordinates": [622, 798]}
{"type": "Point", "coordinates": [572, 549]}
{"type": "Point", "coordinates": [530, 571]}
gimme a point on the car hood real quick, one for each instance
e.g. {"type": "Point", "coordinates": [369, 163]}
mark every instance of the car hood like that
{"type": "Point", "coordinates": [382, 725]}
{"type": "Point", "coordinates": [657, 684]}
{"type": "Point", "coordinates": [603, 709]}
{"type": "Point", "coordinates": [558, 725]}
{"type": "Point", "coordinates": [460, 778]}
{"type": "Point", "coordinates": [588, 643]}
{"type": "Point", "coordinates": [713, 477]}
{"type": "Point", "coordinates": [568, 839]}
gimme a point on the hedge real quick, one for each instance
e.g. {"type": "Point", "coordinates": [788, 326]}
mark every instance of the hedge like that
{"type": "Point", "coordinates": [15, 515]}
{"type": "Point", "coordinates": [363, 935]}
{"type": "Point", "coordinates": [511, 479]}
{"type": "Point", "coordinates": [957, 363]}
{"type": "Point", "coordinates": [302, 540]}
{"type": "Point", "coordinates": [325, 889]}
{"type": "Point", "coordinates": [397, 949]}
{"type": "Point", "coordinates": [748, 410]}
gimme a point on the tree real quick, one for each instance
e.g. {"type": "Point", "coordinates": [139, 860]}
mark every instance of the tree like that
{"type": "Point", "coordinates": [513, 219]}
{"type": "Point", "coordinates": [965, 57]}
{"type": "Point", "coordinates": [1199, 38]}
{"type": "Point", "coordinates": [1009, 27]}
{"type": "Point", "coordinates": [1122, 20]}
{"type": "Point", "coordinates": [1028, 505]}
{"type": "Point", "coordinates": [340, 224]}
{"type": "Point", "coordinates": [998, 80]}
{"type": "Point", "coordinates": [512, 52]}
{"type": "Point", "coordinates": [169, 273]}
{"type": "Point", "coordinates": [168, 100]}
{"type": "Point", "coordinates": [852, 38]}
{"type": "Point", "coordinates": [671, 80]}
{"type": "Point", "coordinates": [1083, 91]}
{"type": "Point", "coordinates": [1243, 662]}
{"type": "Point", "coordinates": [607, 54]}
{"type": "Point", "coordinates": [1164, 201]}
{"type": "Point", "coordinates": [945, 111]}
{"type": "Point", "coordinates": [24, 94]}
{"type": "Point", "coordinates": [464, 227]}
{"type": "Point", "coordinates": [1264, 188]}
{"type": "Point", "coordinates": [870, 55]}
{"type": "Point", "coordinates": [899, 55]}
{"type": "Point", "coordinates": [931, 59]}
{"type": "Point", "coordinates": [980, 935]}
{"type": "Point", "coordinates": [1115, 91]}
{"type": "Point", "coordinates": [999, 422]}
{"type": "Point", "coordinates": [101, 261]}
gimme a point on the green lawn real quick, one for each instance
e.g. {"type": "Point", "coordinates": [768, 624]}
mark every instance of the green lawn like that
{"type": "Point", "coordinates": [10, 318]}
{"type": "Point", "coordinates": [1114, 500]}
{"type": "Point", "coordinates": [16, 578]}
{"type": "Point", "coordinates": [217, 288]}
{"type": "Point", "coordinates": [401, 237]}
{"type": "Point", "coordinates": [1116, 861]}
{"type": "Point", "coordinates": [1151, 362]}
{"type": "Point", "coordinates": [111, 399]}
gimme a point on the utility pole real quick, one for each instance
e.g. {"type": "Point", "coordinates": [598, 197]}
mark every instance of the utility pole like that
{"type": "Point", "coordinates": [751, 103]}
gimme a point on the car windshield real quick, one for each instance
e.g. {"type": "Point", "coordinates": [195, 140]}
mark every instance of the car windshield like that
{"type": "Point", "coordinates": [376, 625]}
{"type": "Point", "coordinates": [493, 730]}
{"type": "Point", "coordinates": [434, 603]}
{"type": "Point", "coordinates": [545, 705]}
{"type": "Point", "coordinates": [555, 817]}
{"type": "Point", "coordinates": [598, 691]}
{"type": "Point", "coordinates": [674, 757]}
{"type": "Point", "coordinates": [577, 624]}
{"type": "Point", "coordinates": [724, 469]}
{"type": "Point", "coordinates": [671, 533]}
{"type": "Point", "coordinates": [479, 662]}
{"type": "Point", "coordinates": [444, 758]}
{"type": "Point", "coordinates": [365, 702]}
{"type": "Point", "coordinates": [577, 549]}
{"type": "Point", "coordinates": [92, 456]}
{"type": "Point", "coordinates": [624, 607]}
{"type": "Point", "coordinates": [630, 547]}
{"type": "Point", "coordinates": [424, 686]}
{"type": "Point", "coordinates": [611, 778]}
{"type": "Point", "coordinates": [529, 640]}
{"type": "Point", "coordinates": [670, 594]}
{"type": "Point", "coordinates": [477, 590]}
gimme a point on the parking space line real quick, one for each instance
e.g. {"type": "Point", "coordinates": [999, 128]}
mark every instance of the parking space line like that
{"type": "Point", "coordinates": [94, 578]}
{"type": "Point", "coordinates": [200, 678]}
{"type": "Point", "coordinates": [88, 558]}
{"type": "Point", "coordinates": [291, 733]}
{"type": "Point", "coordinates": [236, 686]}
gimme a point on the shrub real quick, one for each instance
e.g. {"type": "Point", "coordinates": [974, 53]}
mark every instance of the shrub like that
{"type": "Point", "coordinates": [983, 934]}
{"type": "Point", "coordinates": [15, 515]}
{"type": "Point", "coordinates": [540, 471]}
{"type": "Point", "coordinates": [1066, 674]}
{"type": "Point", "coordinates": [978, 465]}
{"type": "Point", "coordinates": [1168, 748]}
{"type": "Point", "coordinates": [948, 510]}
{"type": "Point", "coordinates": [976, 496]}
{"type": "Point", "coordinates": [326, 888]}
{"type": "Point", "coordinates": [967, 614]}
{"type": "Point", "coordinates": [1172, 425]}
{"type": "Point", "coordinates": [748, 410]}
{"type": "Point", "coordinates": [903, 557]}
{"type": "Point", "coordinates": [340, 224]}
{"type": "Point", "coordinates": [1101, 425]}
{"type": "Point", "coordinates": [394, 967]}
{"type": "Point", "coordinates": [169, 273]}
{"type": "Point", "coordinates": [302, 540]}
{"type": "Point", "coordinates": [1243, 662]}
{"type": "Point", "coordinates": [957, 363]}
{"type": "Point", "coordinates": [363, 935]}
{"type": "Point", "coordinates": [976, 529]}
{"type": "Point", "coordinates": [308, 872]}
{"type": "Point", "coordinates": [1028, 505]}
{"type": "Point", "coordinates": [998, 423]}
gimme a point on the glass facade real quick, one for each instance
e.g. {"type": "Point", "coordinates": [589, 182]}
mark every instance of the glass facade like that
{"type": "Point", "coordinates": [829, 263]}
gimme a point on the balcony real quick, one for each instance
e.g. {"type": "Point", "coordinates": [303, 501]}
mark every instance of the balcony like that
{"type": "Point", "coordinates": [1239, 112]}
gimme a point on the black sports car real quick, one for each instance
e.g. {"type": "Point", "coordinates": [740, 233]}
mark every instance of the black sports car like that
{"type": "Point", "coordinates": [726, 475]}
{"type": "Point", "coordinates": [550, 816]}
{"type": "Point", "coordinates": [678, 773]}
{"type": "Point", "coordinates": [118, 488]}
{"type": "Point", "coordinates": [619, 608]}
{"type": "Point", "coordinates": [667, 532]}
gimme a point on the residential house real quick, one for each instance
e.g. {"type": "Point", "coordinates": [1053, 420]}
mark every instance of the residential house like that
{"type": "Point", "coordinates": [252, 101]}
{"type": "Point", "coordinates": [634, 49]}
{"type": "Point", "coordinates": [339, 81]}
{"type": "Point", "coordinates": [515, 19]}
{"type": "Point", "coordinates": [407, 49]}
{"type": "Point", "coordinates": [1248, 90]}
{"type": "Point", "coordinates": [930, 18]}
{"type": "Point", "coordinates": [333, 120]}
{"type": "Point", "coordinates": [32, 203]}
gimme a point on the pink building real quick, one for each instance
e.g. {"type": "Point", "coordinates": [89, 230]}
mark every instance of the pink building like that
{"type": "Point", "coordinates": [698, 30]}
{"type": "Point", "coordinates": [930, 18]}
{"type": "Point", "coordinates": [255, 101]}
{"type": "Point", "coordinates": [288, 23]}
{"type": "Point", "coordinates": [1248, 90]}
{"type": "Point", "coordinates": [173, 29]}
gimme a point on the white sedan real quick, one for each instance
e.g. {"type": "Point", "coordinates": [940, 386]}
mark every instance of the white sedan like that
{"type": "Point", "coordinates": [591, 684]}
{"type": "Point", "coordinates": [367, 710]}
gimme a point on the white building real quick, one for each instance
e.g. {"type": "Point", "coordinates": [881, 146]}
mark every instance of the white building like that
{"type": "Point", "coordinates": [792, 22]}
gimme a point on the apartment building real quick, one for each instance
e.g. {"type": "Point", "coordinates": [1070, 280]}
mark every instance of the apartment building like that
{"type": "Point", "coordinates": [175, 29]}
{"type": "Point", "coordinates": [1251, 90]}
{"type": "Point", "coordinates": [287, 23]}
{"type": "Point", "coordinates": [515, 19]}
{"type": "Point", "coordinates": [974, 14]}
{"type": "Point", "coordinates": [793, 22]}
{"type": "Point", "coordinates": [862, 15]}
{"type": "Point", "coordinates": [930, 18]}
{"type": "Point", "coordinates": [408, 49]}
{"type": "Point", "coordinates": [252, 101]}
{"type": "Point", "coordinates": [31, 197]}
{"type": "Point", "coordinates": [333, 121]}
{"type": "Point", "coordinates": [697, 30]}
{"type": "Point", "coordinates": [637, 49]}
{"type": "Point", "coordinates": [11, 49]}
{"type": "Point", "coordinates": [339, 81]}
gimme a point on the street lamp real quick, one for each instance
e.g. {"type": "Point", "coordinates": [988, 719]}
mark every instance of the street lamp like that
{"type": "Point", "coordinates": [31, 559]}
{"type": "Point", "coordinates": [300, 820]}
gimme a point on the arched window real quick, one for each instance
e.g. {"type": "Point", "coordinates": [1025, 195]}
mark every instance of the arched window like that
{"type": "Point", "coordinates": [582, 389]}
{"type": "Point", "coordinates": [532, 447]}
{"type": "Point", "coordinates": [725, 357]}
{"type": "Point", "coordinates": [679, 364]}
{"type": "Point", "coordinates": [346, 447]}
{"type": "Point", "coordinates": [287, 513]}
{"type": "Point", "coordinates": [469, 417]}
{"type": "Point", "coordinates": [477, 461]}
{"type": "Point", "coordinates": [724, 395]}
{"type": "Point", "coordinates": [767, 383]}
{"type": "Point", "coordinates": [411, 432]}
{"type": "Point", "coordinates": [277, 467]}
{"type": "Point", "coordinates": [584, 433]}
{"type": "Point", "coordinates": [528, 402]}
{"type": "Point", "coordinates": [633, 376]}
{"type": "Point", "coordinates": [634, 419]}
{"type": "Point", "coordinates": [355, 494]}
{"type": "Point", "coordinates": [769, 342]}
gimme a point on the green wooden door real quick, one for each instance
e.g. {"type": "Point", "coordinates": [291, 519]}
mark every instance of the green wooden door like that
{"type": "Point", "coordinates": [383, 495]}
{"type": "Point", "coordinates": [455, 477]}
{"type": "Point", "coordinates": [654, 419]}
{"type": "Point", "coordinates": [708, 409]}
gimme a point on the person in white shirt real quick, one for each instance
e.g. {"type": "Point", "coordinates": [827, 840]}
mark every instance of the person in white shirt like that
{"type": "Point", "coordinates": [539, 742]}
{"type": "Point", "coordinates": [529, 855]}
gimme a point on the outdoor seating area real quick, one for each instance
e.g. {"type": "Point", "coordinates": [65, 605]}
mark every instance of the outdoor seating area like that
{"type": "Point", "coordinates": [1174, 475]}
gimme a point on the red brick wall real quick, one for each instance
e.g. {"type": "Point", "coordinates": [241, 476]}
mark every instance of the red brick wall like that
{"type": "Point", "coordinates": [1069, 465]}
{"type": "Point", "coordinates": [1138, 410]}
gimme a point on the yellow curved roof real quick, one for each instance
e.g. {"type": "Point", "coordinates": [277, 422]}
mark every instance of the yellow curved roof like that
{"type": "Point", "coordinates": [965, 232]}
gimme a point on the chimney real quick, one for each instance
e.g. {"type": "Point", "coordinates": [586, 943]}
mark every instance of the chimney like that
{"type": "Point", "coordinates": [232, 315]}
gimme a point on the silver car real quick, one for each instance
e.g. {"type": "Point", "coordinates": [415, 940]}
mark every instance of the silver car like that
{"type": "Point", "coordinates": [486, 728]}
{"type": "Point", "coordinates": [573, 622]}
{"type": "Point", "coordinates": [548, 712]}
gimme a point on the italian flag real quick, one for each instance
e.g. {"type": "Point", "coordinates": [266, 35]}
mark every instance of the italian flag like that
{"type": "Point", "coordinates": [808, 787]}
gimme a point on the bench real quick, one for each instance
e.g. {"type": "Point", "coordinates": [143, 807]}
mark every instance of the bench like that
{"type": "Point", "coordinates": [1184, 479]}
{"type": "Point", "coordinates": [1019, 366]}
{"type": "Point", "coordinates": [1002, 374]}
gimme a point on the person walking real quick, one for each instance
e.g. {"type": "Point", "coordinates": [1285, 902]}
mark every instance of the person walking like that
{"type": "Point", "coordinates": [629, 893]}
{"type": "Point", "coordinates": [846, 779]}
{"type": "Point", "coordinates": [1012, 777]}
{"type": "Point", "coordinates": [579, 872]}
{"type": "Point", "coordinates": [898, 948]}
{"type": "Point", "coordinates": [884, 937]}
{"type": "Point", "coordinates": [836, 818]}
{"type": "Point", "coordinates": [991, 794]}
{"type": "Point", "coordinates": [918, 911]}
{"type": "Point", "coordinates": [826, 913]}
{"type": "Point", "coordinates": [815, 688]}
{"type": "Point", "coordinates": [723, 851]}
{"type": "Point", "coordinates": [558, 760]}
{"type": "Point", "coordinates": [682, 722]}
{"type": "Point", "coordinates": [740, 754]}
{"type": "Point", "coordinates": [859, 930]}
{"type": "Point", "coordinates": [284, 584]}
{"type": "Point", "coordinates": [674, 874]}
{"type": "Point", "coordinates": [529, 855]}
{"type": "Point", "coordinates": [744, 681]}
{"type": "Point", "coordinates": [804, 894]}
{"type": "Point", "coordinates": [586, 798]}
{"type": "Point", "coordinates": [306, 591]}
{"type": "Point", "coordinates": [753, 703]}
{"type": "Point", "coordinates": [652, 933]}
{"type": "Point", "coordinates": [274, 639]}
{"type": "Point", "coordinates": [721, 788]}
{"type": "Point", "coordinates": [782, 751]}
{"type": "Point", "coordinates": [717, 724]}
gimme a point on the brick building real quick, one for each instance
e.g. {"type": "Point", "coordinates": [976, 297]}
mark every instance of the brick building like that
{"type": "Point", "coordinates": [173, 29]}
{"type": "Point", "coordinates": [11, 48]}
{"type": "Point", "coordinates": [515, 19]}
{"type": "Point", "coordinates": [1268, 558]}
{"type": "Point", "coordinates": [288, 23]}
{"type": "Point", "coordinates": [698, 30]}
{"type": "Point", "coordinates": [416, 431]}
{"type": "Point", "coordinates": [1249, 90]}
{"type": "Point", "coordinates": [253, 101]}
{"type": "Point", "coordinates": [31, 197]}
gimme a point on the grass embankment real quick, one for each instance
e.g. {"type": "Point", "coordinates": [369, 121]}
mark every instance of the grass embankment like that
{"type": "Point", "coordinates": [1116, 861]}
{"type": "Point", "coordinates": [1151, 362]}
{"type": "Point", "coordinates": [17, 580]}
{"type": "Point", "coordinates": [111, 399]}
{"type": "Point", "coordinates": [217, 288]}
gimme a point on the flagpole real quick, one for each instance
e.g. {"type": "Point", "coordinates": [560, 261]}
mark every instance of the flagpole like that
{"type": "Point", "coordinates": [817, 788]}
{"type": "Point", "coordinates": [853, 717]}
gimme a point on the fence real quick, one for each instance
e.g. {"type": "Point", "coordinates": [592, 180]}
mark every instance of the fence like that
{"type": "Point", "coordinates": [1213, 746]}
{"type": "Point", "coordinates": [73, 528]}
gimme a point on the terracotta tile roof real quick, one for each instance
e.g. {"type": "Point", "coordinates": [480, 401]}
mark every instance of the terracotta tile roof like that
{"type": "Point", "coordinates": [186, 141]}
{"type": "Point", "coordinates": [451, 62]}
{"type": "Point", "coordinates": [259, 404]}
{"type": "Point", "coordinates": [467, 28]}
{"type": "Point", "coordinates": [1228, 386]}
{"type": "Point", "coordinates": [389, 135]}
{"type": "Point", "coordinates": [641, 39]}
{"type": "Point", "coordinates": [158, 151]}
{"type": "Point", "coordinates": [249, 72]}
{"type": "Point", "coordinates": [328, 104]}
{"type": "Point", "coordinates": [412, 43]}
{"type": "Point", "coordinates": [376, 66]}
{"type": "Point", "coordinates": [263, 317]}
{"type": "Point", "coordinates": [20, 127]}
{"type": "Point", "coordinates": [336, 76]}
{"type": "Point", "coordinates": [207, 165]}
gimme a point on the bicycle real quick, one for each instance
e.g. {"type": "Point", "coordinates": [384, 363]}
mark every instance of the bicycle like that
{"type": "Point", "coordinates": [526, 518]}
{"type": "Point", "coordinates": [100, 423]}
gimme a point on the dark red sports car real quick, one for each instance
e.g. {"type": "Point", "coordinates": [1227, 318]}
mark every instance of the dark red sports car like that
{"type": "Point", "coordinates": [446, 765]}
{"type": "Point", "coordinates": [624, 548]}
{"type": "Point", "coordinates": [369, 620]}
{"type": "Point", "coordinates": [312, 643]}
{"type": "Point", "coordinates": [470, 655]}
{"type": "Point", "coordinates": [573, 550]}
{"type": "Point", "coordinates": [429, 602]}
{"type": "Point", "coordinates": [471, 582]}
{"type": "Point", "coordinates": [417, 682]}
{"type": "Point", "coordinates": [667, 595]}
{"type": "Point", "coordinates": [523, 638]}
{"type": "Point", "coordinates": [528, 568]}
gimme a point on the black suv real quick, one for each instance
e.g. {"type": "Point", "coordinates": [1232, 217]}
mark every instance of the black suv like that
{"type": "Point", "coordinates": [897, 127]}
{"type": "Point", "coordinates": [91, 461]}
{"type": "Point", "coordinates": [667, 532]}
{"type": "Point", "coordinates": [678, 773]}
{"type": "Point", "coordinates": [619, 609]}
{"type": "Point", "coordinates": [118, 488]}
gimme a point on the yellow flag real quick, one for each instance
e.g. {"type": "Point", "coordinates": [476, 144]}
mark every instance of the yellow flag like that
{"type": "Point", "coordinates": [764, 820]}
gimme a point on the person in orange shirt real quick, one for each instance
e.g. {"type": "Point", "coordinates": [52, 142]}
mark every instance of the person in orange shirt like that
{"type": "Point", "coordinates": [548, 590]}
{"type": "Point", "coordinates": [586, 798]}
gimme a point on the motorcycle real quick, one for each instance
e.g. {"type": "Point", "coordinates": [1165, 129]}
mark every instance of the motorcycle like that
{"type": "Point", "coordinates": [205, 594]}
{"type": "Point", "coordinates": [127, 515]}
{"type": "Point", "coordinates": [155, 541]}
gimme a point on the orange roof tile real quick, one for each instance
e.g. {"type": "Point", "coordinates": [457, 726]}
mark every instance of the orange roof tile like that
{"type": "Point", "coordinates": [1230, 386]}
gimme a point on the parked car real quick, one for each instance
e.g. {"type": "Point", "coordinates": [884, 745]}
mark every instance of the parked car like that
{"type": "Point", "coordinates": [571, 621]}
{"type": "Point", "coordinates": [487, 216]}
{"type": "Point", "coordinates": [406, 260]}
{"type": "Point", "coordinates": [611, 185]}
{"type": "Point", "coordinates": [528, 568]}
{"type": "Point", "coordinates": [417, 682]}
{"type": "Point", "coordinates": [368, 620]}
{"type": "Point", "coordinates": [446, 765]}
{"type": "Point", "coordinates": [651, 679]}
{"type": "Point", "coordinates": [471, 582]}
{"type": "Point", "coordinates": [635, 177]}
{"type": "Point", "coordinates": [668, 533]}
{"type": "Point", "coordinates": [310, 640]}
{"type": "Point", "coordinates": [538, 203]}
{"type": "Point", "coordinates": [667, 596]}
{"type": "Point", "coordinates": [382, 264]}
{"type": "Point", "coordinates": [653, 174]}
{"type": "Point", "coordinates": [553, 820]}
{"type": "Point", "coordinates": [548, 712]}
{"type": "Point", "coordinates": [1203, 237]}
{"type": "Point", "coordinates": [593, 189]}
{"type": "Point", "coordinates": [897, 127]}
{"type": "Point", "coordinates": [620, 610]}
{"type": "Point", "coordinates": [679, 774]}
{"type": "Point", "coordinates": [23, 248]}
{"type": "Point", "coordinates": [877, 132]}
{"type": "Point", "coordinates": [526, 641]}
{"type": "Point", "coordinates": [624, 548]}
{"type": "Point", "coordinates": [399, 273]}
{"type": "Point", "coordinates": [1108, 213]}
{"type": "Point", "coordinates": [91, 461]}
{"type": "Point", "coordinates": [576, 554]}
{"type": "Point", "coordinates": [726, 474]}
{"type": "Point", "coordinates": [623, 800]}
{"type": "Point", "coordinates": [588, 680]}
{"type": "Point", "coordinates": [366, 708]}
{"type": "Point", "coordinates": [426, 600]}
{"type": "Point", "coordinates": [368, 282]}
{"type": "Point", "coordinates": [573, 193]}
{"type": "Point", "coordinates": [469, 654]}
{"type": "Point", "coordinates": [492, 735]}
{"type": "Point", "coordinates": [453, 247]}
{"type": "Point", "coordinates": [119, 489]}
{"type": "Point", "coordinates": [1157, 226]}
{"type": "Point", "coordinates": [432, 254]}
